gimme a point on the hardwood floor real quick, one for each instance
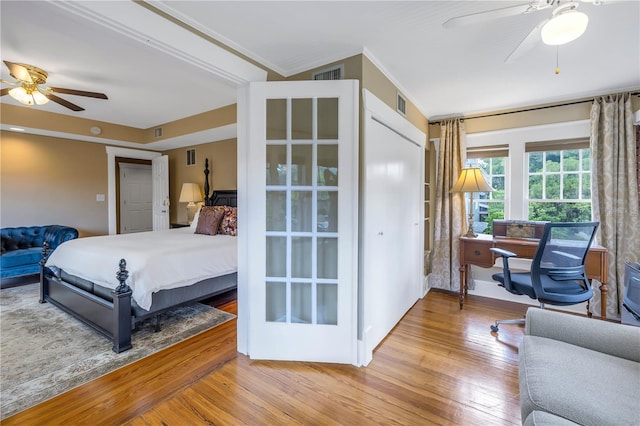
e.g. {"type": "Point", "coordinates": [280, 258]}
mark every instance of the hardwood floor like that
{"type": "Point", "coordinates": [440, 365]}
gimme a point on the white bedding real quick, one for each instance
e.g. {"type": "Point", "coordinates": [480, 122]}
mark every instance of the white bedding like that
{"type": "Point", "coordinates": [156, 260]}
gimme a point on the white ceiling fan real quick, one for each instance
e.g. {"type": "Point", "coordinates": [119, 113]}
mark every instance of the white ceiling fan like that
{"type": "Point", "coordinates": [564, 25]}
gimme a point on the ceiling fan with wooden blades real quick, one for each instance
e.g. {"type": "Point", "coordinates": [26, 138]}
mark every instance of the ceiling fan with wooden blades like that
{"type": "Point", "coordinates": [28, 90]}
{"type": "Point", "coordinates": [564, 25]}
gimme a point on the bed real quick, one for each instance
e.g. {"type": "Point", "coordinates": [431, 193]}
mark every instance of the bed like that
{"type": "Point", "coordinates": [114, 282]}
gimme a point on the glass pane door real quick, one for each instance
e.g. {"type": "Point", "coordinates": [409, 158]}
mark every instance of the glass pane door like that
{"type": "Point", "coordinates": [302, 221]}
{"type": "Point", "coordinates": [301, 189]}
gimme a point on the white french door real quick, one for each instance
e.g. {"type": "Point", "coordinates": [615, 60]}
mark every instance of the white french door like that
{"type": "Point", "coordinates": [301, 221]}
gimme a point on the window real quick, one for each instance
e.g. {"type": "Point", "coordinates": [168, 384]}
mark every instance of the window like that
{"type": "Point", "coordinates": [559, 181]}
{"type": "Point", "coordinates": [488, 206]}
{"type": "Point", "coordinates": [535, 154]}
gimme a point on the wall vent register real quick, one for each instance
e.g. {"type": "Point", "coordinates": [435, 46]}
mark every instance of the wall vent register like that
{"type": "Point", "coordinates": [334, 73]}
{"type": "Point", "coordinates": [191, 157]}
{"type": "Point", "coordinates": [401, 105]}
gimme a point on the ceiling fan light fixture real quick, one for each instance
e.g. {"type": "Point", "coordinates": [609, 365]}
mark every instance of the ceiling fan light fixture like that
{"type": "Point", "coordinates": [19, 94]}
{"type": "Point", "coordinates": [40, 98]}
{"type": "Point", "coordinates": [28, 95]}
{"type": "Point", "coordinates": [29, 91]}
{"type": "Point", "coordinates": [564, 27]}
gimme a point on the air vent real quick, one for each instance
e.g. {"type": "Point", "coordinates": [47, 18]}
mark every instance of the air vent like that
{"type": "Point", "coordinates": [191, 157]}
{"type": "Point", "coordinates": [402, 105]}
{"type": "Point", "coordinates": [157, 132]}
{"type": "Point", "coordinates": [334, 73]}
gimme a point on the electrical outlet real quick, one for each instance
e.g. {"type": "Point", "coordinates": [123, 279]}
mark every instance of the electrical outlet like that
{"type": "Point", "coordinates": [99, 197]}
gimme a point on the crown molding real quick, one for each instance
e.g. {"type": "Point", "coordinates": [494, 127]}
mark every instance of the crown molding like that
{"type": "Point", "coordinates": [141, 24]}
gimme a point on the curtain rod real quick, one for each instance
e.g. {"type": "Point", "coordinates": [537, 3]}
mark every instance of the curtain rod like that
{"type": "Point", "coordinates": [496, 114]}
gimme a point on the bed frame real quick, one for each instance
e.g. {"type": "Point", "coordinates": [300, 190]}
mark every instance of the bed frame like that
{"type": "Point", "coordinates": [113, 313]}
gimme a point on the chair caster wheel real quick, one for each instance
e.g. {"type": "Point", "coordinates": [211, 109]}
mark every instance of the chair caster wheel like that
{"type": "Point", "coordinates": [494, 328]}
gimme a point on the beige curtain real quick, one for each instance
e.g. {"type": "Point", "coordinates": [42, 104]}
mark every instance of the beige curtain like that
{"type": "Point", "coordinates": [449, 209]}
{"type": "Point", "coordinates": [614, 191]}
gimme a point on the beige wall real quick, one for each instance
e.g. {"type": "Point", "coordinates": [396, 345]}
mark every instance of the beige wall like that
{"type": "Point", "coordinates": [359, 67]}
{"type": "Point", "coordinates": [46, 180]}
{"type": "Point", "coordinates": [39, 119]}
{"type": "Point", "coordinates": [223, 161]}
{"type": "Point", "coordinates": [377, 83]}
{"type": "Point", "coordinates": [549, 114]}
{"type": "Point", "coordinates": [207, 120]}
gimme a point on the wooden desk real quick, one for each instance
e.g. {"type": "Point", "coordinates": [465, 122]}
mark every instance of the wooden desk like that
{"type": "Point", "coordinates": [475, 251]}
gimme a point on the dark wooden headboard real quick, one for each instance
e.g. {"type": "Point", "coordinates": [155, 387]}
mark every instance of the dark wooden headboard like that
{"type": "Point", "coordinates": [221, 197]}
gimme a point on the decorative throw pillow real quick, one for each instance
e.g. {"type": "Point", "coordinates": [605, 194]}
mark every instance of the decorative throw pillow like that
{"type": "Point", "coordinates": [229, 223]}
{"type": "Point", "coordinates": [209, 221]}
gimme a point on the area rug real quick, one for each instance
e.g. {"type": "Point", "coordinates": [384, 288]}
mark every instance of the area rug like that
{"type": "Point", "coordinates": [45, 351]}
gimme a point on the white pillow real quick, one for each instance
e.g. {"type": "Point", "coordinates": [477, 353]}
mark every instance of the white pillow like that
{"type": "Point", "coordinates": [194, 224]}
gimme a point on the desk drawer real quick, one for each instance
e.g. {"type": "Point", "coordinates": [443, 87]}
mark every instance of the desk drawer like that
{"type": "Point", "coordinates": [476, 253]}
{"type": "Point", "coordinates": [524, 250]}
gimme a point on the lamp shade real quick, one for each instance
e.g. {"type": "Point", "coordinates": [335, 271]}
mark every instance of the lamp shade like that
{"type": "Point", "coordinates": [190, 193]}
{"type": "Point", "coordinates": [28, 96]}
{"type": "Point", "coordinates": [471, 180]}
{"type": "Point", "coordinates": [564, 27]}
{"type": "Point", "coordinates": [19, 94]}
{"type": "Point", "coordinates": [39, 98]}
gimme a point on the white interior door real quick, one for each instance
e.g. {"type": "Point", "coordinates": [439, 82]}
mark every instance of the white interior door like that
{"type": "Point", "coordinates": [301, 221]}
{"type": "Point", "coordinates": [160, 169]}
{"type": "Point", "coordinates": [135, 198]}
{"type": "Point", "coordinates": [393, 212]}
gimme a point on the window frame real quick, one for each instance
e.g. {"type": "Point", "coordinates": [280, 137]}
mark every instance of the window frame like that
{"type": "Point", "coordinates": [563, 174]}
{"type": "Point", "coordinates": [516, 165]}
{"type": "Point", "coordinates": [489, 153]}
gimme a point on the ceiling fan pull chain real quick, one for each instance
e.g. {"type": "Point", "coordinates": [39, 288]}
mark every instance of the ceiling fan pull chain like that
{"type": "Point", "coordinates": [557, 63]}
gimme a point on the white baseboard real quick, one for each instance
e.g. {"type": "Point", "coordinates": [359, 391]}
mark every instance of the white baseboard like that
{"type": "Point", "coordinates": [425, 286]}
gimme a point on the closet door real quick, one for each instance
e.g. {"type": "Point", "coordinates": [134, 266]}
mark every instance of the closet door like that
{"type": "Point", "coordinates": [391, 272]}
{"type": "Point", "coordinates": [302, 221]}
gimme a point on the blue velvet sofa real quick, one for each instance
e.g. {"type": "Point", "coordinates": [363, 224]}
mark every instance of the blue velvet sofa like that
{"type": "Point", "coordinates": [22, 247]}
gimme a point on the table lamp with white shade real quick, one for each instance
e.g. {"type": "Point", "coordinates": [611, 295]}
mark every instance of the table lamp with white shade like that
{"type": "Point", "coordinates": [191, 195]}
{"type": "Point", "coordinates": [471, 180]}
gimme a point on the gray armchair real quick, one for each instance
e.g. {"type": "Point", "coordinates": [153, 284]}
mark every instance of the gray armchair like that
{"type": "Point", "coordinates": [578, 370]}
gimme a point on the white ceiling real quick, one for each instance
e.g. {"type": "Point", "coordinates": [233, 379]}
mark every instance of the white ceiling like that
{"type": "Point", "coordinates": [443, 71]}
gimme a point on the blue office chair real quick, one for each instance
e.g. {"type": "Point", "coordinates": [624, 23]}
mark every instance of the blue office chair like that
{"type": "Point", "coordinates": [557, 275]}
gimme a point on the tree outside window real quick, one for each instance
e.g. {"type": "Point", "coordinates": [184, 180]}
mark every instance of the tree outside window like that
{"type": "Point", "coordinates": [560, 185]}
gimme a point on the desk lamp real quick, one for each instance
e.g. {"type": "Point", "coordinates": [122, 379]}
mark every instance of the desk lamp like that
{"type": "Point", "coordinates": [471, 180]}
